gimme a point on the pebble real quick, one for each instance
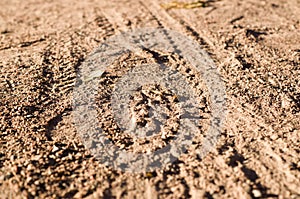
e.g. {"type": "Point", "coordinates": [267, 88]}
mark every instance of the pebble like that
{"type": "Point", "coordinates": [54, 149]}
{"type": "Point", "coordinates": [273, 82]}
{"type": "Point", "coordinates": [285, 102]}
{"type": "Point", "coordinates": [256, 193]}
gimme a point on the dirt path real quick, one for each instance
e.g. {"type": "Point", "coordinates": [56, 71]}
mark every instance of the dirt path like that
{"type": "Point", "coordinates": [256, 47]}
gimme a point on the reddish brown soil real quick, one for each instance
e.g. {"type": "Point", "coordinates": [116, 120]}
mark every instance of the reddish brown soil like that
{"type": "Point", "coordinates": [255, 45]}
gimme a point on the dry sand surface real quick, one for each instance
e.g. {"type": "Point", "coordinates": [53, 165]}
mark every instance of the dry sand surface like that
{"type": "Point", "coordinates": [255, 45]}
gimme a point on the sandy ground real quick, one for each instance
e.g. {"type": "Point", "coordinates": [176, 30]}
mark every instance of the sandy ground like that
{"type": "Point", "coordinates": [256, 47]}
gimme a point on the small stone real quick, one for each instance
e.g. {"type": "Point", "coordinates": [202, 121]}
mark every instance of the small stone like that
{"type": "Point", "coordinates": [273, 82]}
{"type": "Point", "coordinates": [274, 136]}
{"type": "Point", "coordinates": [30, 167]}
{"type": "Point", "coordinates": [256, 193]}
{"type": "Point", "coordinates": [285, 102]}
{"type": "Point", "coordinates": [37, 157]}
{"type": "Point", "coordinates": [54, 149]}
{"type": "Point", "coordinates": [261, 81]}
